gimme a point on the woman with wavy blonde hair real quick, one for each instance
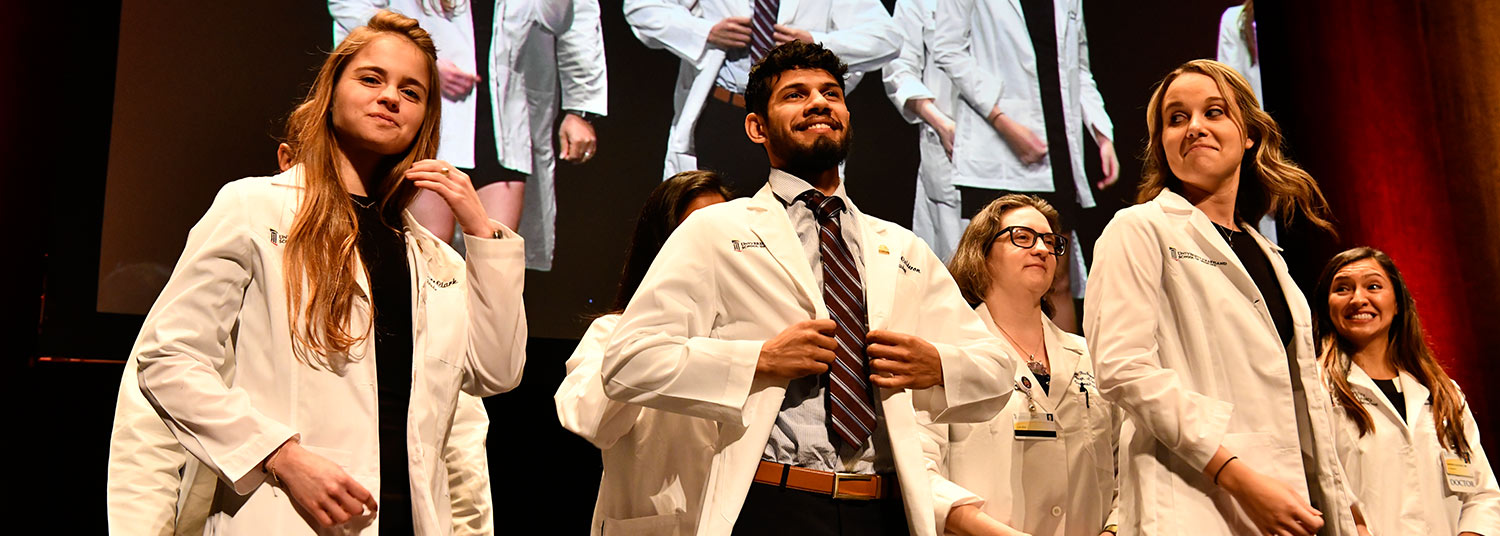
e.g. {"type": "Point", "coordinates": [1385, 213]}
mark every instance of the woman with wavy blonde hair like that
{"type": "Point", "coordinates": [1198, 331]}
{"type": "Point", "coordinates": [311, 344]}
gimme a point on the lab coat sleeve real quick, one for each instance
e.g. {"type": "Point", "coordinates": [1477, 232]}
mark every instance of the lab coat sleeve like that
{"type": "Point", "coordinates": [580, 61]}
{"type": "Point", "coordinates": [1117, 419]}
{"type": "Point", "coordinates": [863, 35]}
{"type": "Point", "coordinates": [582, 406]}
{"type": "Point", "coordinates": [181, 348]}
{"type": "Point", "coordinates": [663, 354]}
{"type": "Point", "coordinates": [1121, 309]}
{"type": "Point", "coordinates": [950, 50]}
{"type": "Point", "coordinates": [1094, 115]}
{"type": "Point", "coordinates": [946, 495]}
{"type": "Point", "coordinates": [497, 317]}
{"type": "Point", "coordinates": [670, 25]}
{"type": "Point", "coordinates": [467, 460]}
{"type": "Point", "coordinates": [903, 75]}
{"type": "Point", "coordinates": [1229, 39]}
{"type": "Point", "coordinates": [1480, 512]}
{"type": "Point", "coordinates": [350, 14]}
{"type": "Point", "coordinates": [145, 464]}
{"type": "Point", "coordinates": [978, 374]}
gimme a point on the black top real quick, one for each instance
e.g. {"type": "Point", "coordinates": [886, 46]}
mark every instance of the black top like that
{"type": "Point", "coordinates": [1044, 380]}
{"type": "Point", "coordinates": [1041, 26]}
{"type": "Point", "coordinates": [1259, 265]}
{"type": "Point", "coordinates": [1394, 395]}
{"type": "Point", "coordinates": [383, 250]}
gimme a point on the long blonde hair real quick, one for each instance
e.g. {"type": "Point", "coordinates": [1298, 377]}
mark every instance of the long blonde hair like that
{"type": "Point", "coordinates": [321, 250]}
{"type": "Point", "coordinates": [1269, 181]}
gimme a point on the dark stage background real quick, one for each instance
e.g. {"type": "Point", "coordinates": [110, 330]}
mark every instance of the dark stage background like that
{"type": "Point", "coordinates": [1390, 106]}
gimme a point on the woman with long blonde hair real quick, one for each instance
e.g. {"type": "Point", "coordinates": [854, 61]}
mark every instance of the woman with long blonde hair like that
{"type": "Point", "coordinates": [1200, 334]}
{"type": "Point", "coordinates": [1410, 445]}
{"type": "Point", "coordinates": [311, 344]}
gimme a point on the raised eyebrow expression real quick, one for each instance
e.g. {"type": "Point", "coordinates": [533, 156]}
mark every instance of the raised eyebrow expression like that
{"type": "Point", "coordinates": [800, 88]}
{"type": "Point", "coordinates": [415, 87]}
{"type": "Point", "coordinates": [1173, 108]}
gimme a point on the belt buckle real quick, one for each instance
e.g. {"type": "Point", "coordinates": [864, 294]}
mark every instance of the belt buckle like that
{"type": "Point", "coordinates": [839, 478]}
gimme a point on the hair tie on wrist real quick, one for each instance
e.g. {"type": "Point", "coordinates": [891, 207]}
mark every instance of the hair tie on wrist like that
{"type": "Point", "coordinates": [1221, 468]}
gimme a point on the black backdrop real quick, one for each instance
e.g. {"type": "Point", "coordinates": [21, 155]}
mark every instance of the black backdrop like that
{"type": "Point", "coordinates": [60, 65]}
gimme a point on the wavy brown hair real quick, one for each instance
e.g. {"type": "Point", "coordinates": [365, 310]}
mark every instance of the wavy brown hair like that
{"type": "Point", "coordinates": [321, 252]}
{"type": "Point", "coordinates": [660, 215]}
{"type": "Point", "coordinates": [968, 266]}
{"type": "Point", "coordinates": [1407, 350]}
{"type": "Point", "coordinates": [1269, 181]}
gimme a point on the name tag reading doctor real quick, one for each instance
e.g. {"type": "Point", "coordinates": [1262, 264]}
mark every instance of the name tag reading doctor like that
{"type": "Point", "coordinates": [1459, 475]}
{"type": "Point", "coordinates": [1035, 425]}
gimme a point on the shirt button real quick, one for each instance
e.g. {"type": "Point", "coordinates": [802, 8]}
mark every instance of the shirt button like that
{"type": "Point", "coordinates": [1056, 511]}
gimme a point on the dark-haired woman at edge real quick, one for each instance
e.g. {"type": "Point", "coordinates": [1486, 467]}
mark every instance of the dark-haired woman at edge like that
{"type": "Point", "coordinates": [642, 447]}
{"type": "Point", "coordinates": [1409, 443]}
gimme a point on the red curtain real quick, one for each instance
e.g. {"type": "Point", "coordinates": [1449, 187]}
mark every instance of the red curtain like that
{"type": "Point", "coordinates": [1395, 108]}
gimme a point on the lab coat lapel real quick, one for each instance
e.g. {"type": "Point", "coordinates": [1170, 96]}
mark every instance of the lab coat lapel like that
{"type": "Point", "coordinates": [1416, 402]}
{"type": "Point", "coordinates": [880, 273]}
{"type": "Point", "coordinates": [1063, 358]}
{"type": "Point", "coordinates": [769, 222]}
{"type": "Point", "coordinates": [1208, 238]}
{"type": "Point", "coordinates": [1362, 385]}
{"type": "Point", "coordinates": [1025, 381]}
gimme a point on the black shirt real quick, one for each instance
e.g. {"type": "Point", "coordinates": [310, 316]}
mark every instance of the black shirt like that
{"type": "Point", "coordinates": [1041, 26]}
{"type": "Point", "coordinates": [1044, 380]}
{"type": "Point", "coordinates": [1394, 395]}
{"type": "Point", "coordinates": [1259, 266]}
{"type": "Point", "coordinates": [383, 250]}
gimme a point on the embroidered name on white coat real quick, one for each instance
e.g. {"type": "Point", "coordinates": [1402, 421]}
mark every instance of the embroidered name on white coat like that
{"type": "Point", "coordinates": [742, 245]}
{"type": "Point", "coordinates": [1179, 255]}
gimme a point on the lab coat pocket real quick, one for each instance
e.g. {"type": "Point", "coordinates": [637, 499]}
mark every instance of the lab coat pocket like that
{"type": "Point", "coordinates": [657, 525]}
{"type": "Point", "coordinates": [1261, 452]}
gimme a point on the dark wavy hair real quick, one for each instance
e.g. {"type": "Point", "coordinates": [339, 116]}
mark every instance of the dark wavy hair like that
{"type": "Point", "coordinates": [1407, 349]}
{"type": "Point", "coordinates": [789, 56]}
{"type": "Point", "coordinates": [659, 217]}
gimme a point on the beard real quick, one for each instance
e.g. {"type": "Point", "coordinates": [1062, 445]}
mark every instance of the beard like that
{"type": "Point", "coordinates": [821, 155]}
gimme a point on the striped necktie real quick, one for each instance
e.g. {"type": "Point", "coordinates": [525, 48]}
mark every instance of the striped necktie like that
{"type": "Point", "coordinates": [763, 28]}
{"type": "Point", "coordinates": [850, 411]}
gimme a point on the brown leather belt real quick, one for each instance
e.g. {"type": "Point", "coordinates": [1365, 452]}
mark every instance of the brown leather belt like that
{"type": "Point", "coordinates": [727, 96]}
{"type": "Point", "coordinates": [836, 485]}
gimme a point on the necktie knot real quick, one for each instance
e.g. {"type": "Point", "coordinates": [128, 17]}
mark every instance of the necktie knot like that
{"type": "Point", "coordinates": [822, 206]}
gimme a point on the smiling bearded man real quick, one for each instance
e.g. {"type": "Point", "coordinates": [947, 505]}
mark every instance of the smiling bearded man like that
{"type": "Point", "coordinates": [811, 332]}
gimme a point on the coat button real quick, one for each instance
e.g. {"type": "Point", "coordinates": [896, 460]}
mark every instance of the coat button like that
{"type": "Point", "coordinates": [1056, 511]}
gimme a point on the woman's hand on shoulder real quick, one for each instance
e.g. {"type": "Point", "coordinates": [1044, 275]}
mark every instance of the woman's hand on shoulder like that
{"type": "Point", "coordinates": [454, 186]}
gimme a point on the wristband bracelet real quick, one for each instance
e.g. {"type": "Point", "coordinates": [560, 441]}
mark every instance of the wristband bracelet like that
{"type": "Point", "coordinates": [1221, 468]}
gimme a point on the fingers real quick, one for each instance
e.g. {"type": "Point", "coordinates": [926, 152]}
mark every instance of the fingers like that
{"type": "Point", "coordinates": [820, 325]}
{"type": "Point", "coordinates": [739, 22]}
{"type": "Point", "coordinates": [891, 382]}
{"type": "Point", "coordinates": [359, 493]}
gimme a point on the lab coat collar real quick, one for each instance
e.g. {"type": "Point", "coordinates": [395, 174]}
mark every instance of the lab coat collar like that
{"type": "Point", "coordinates": [1412, 391]}
{"type": "Point", "coordinates": [421, 244]}
{"type": "Point", "coordinates": [1209, 238]}
{"type": "Point", "coordinates": [1063, 354]}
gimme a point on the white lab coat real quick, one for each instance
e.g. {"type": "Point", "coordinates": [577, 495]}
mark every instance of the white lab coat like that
{"type": "Point", "coordinates": [914, 74]}
{"type": "Point", "coordinates": [1064, 486]}
{"type": "Point", "coordinates": [859, 31]}
{"type": "Point", "coordinates": [538, 50]}
{"type": "Point", "coordinates": [655, 462]}
{"type": "Point", "coordinates": [155, 488]}
{"type": "Point", "coordinates": [1182, 341]}
{"type": "Point", "coordinates": [733, 276]}
{"type": "Point", "coordinates": [984, 47]}
{"type": "Point", "coordinates": [225, 307]}
{"type": "Point", "coordinates": [1397, 470]}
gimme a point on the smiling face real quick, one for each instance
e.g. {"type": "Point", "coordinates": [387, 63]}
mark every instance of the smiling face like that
{"type": "Point", "coordinates": [806, 125]}
{"type": "Point", "coordinates": [1203, 144]}
{"type": "Point", "coordinates": [1362, 302]}
{"type": "Point", "coordinates": [380, 97]}
{"type": "Point", "coordinates": [1025, 272]}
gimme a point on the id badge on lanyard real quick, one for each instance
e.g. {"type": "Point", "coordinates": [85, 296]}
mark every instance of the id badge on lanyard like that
{"type": "Point", "coordinates": [1033, 425]}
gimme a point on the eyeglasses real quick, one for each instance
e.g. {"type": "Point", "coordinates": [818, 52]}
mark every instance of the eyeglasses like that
{"type": "Point", "coordinates": [1026, 237]}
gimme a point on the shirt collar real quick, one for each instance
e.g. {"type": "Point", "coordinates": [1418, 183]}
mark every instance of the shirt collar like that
{"type": "Point", "coordinates": [787, 187]}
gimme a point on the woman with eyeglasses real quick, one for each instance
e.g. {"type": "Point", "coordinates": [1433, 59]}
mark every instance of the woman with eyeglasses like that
{"type": "Point", "coordinates": [1045, 464]}
{"type": "Point", "coordinates": [1199, 333]}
